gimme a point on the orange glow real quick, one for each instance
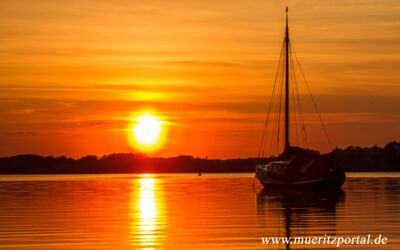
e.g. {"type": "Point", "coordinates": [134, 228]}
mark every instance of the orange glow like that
{"type": "Point", "coordinates": [147, 132]}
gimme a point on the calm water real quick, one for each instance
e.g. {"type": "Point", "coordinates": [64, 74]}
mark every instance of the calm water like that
{"type": "Point", "coordinates": [220, 211]}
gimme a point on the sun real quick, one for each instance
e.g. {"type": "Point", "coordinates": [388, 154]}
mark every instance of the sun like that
{"type": "Point", "coordinates": [146, 132]}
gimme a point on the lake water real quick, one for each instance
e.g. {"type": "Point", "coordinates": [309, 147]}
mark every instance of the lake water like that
{"type": "Point", "coordinates": [186, 211]}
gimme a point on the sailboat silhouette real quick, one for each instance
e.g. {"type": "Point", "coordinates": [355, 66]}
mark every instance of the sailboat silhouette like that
{"type": "Point", "coordinates": [296, 167]}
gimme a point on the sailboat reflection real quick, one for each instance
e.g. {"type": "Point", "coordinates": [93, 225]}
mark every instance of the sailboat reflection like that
{"type": "Point", "coordinates": [146, 214]}
{"type": "Point", "coordinates": [302, 213]}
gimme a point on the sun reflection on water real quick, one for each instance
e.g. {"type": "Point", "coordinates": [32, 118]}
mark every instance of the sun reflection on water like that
{"type": "Point", "coordinates": [146, 213]}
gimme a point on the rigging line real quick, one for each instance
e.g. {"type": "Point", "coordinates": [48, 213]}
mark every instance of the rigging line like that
{"type": "Point", "coordinates": [269, 124]}
{"type": "Point", "coordinates": [274, 132]}
{"type": "Point", "coordinates": [297, 114]}
{"type": "Point", "coordinates": [302, 125]}
{"type": "Point", "coordinates": [273, 111]}
{"type": "Point", "coordinates": [269, 108]}
{"type": "Point", "coordinates": [280, 109]}
{"type": "Point", "coordinates": [303, 130]}
{"type": "Point", "coordinates": [292, 79]}
{"type": "Point", "coordinates": [262, 145]}
{"type": "Point", "coordinates": [275, 107]}
{"type": "Point", "coordinates": [314, 103]}
{"type": "Point", "coordinates": [301, 118]}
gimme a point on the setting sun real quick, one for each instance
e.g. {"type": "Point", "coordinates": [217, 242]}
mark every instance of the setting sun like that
{"type": "Point", "coordinates": [146, 132]}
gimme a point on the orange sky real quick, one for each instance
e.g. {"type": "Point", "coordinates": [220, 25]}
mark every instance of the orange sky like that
{"type": "Point", "coordinates": [73, 72]}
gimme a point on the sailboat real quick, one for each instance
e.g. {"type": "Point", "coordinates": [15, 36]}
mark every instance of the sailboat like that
{"type": "Point", "coordinates": [296, 167]}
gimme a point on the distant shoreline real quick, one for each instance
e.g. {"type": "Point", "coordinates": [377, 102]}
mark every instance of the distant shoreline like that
{"type": "Point", "coordinates": [352, 159]}
{"type": "Point", "coordinates": [101, 176]}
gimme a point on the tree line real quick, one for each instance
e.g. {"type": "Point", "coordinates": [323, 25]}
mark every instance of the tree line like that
{"type": "Point", "coordinates": [351, 159]}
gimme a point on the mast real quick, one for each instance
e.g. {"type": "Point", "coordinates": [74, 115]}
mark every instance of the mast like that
{"type": "Point", "coordinates": [287, 85]}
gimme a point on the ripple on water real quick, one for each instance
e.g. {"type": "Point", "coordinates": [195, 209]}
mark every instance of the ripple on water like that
{"type": "Point", "coordinates": [186, 211]}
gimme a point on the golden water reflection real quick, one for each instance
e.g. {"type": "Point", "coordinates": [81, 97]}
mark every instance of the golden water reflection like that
{"type": "Point", "coordinates": [187, 212]}
{"type": "Point", "coordinates": [147, 209]}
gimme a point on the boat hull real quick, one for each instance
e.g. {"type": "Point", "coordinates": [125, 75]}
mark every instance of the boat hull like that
{"type": "Point", "coordinates": [302, 171]}
{"type": "Point", "coordinates": [329, 182]}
